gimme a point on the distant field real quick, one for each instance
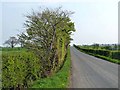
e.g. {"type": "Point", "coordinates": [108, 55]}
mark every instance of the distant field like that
{"type": "Point", "coordinates": [12, 49]}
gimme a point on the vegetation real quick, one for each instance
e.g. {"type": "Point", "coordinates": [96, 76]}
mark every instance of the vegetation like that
{"type": "Point", "coordinates": [58, 80]}
{"type": "Point", "coordinates": [102, 46]}
{"type": "Point", "coordinates": [44, 48]}
{"type": "Point", "coordinates": [12, 49]}
{"type": "Point", "coordinates": [48, 36]}
{"type": "Point", "coordinates": [19, 69]}
{"type": "Point", "coordinates": [112, 56]}
{"type": "Point", "coordinates": [12, 41]}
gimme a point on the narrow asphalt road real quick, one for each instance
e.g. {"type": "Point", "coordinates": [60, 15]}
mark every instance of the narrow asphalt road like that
{"type": "Point", "coordinates": [91, 72]}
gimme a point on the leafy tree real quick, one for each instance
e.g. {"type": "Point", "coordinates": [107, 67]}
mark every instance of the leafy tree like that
{"type": "Point", "coordinates": [21, 41]}
{"type": "Point", "coordinates": [48, 36]}
{"type": "Point", "coordinates": [12, 41]}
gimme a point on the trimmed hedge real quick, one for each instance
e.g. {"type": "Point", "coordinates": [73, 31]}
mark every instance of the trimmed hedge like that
{"type": "Point", "coordinates": [115, 54]}
{"type": "Point", "coordinates": [107, 53]}
{"type": "Point", "coordinates": [19, 69]}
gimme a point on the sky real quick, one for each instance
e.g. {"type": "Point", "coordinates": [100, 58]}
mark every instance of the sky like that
{"type": "Point", "coordinates": [96, 21]}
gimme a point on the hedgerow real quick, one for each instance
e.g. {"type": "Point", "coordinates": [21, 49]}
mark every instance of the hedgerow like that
{"type": "Point", "coordinates": [107, 53]}
{"type": "Point", "coordinates": [47, 37]}
{"type": "Point", "coordinates": [115, 54]}
{"type": "Point", "coordinates": [57, 80]}
{"type": "Point", "coordinates": [19, 69]}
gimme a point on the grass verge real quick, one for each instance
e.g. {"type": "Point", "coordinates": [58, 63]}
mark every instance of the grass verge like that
{"type": "Point", "coordinates": [107, 58]}
{"type": "Point", "coordinates": [103, 57]}
{"type": "Point", "coordinates": [58, 80]}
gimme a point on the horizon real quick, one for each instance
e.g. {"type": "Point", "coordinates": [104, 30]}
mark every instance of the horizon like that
{"type": "Point", "coordinates": [70, 45]}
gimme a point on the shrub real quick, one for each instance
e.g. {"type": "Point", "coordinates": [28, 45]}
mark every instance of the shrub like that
{"type": "Point", "coordinates": [19, 69]}
{"type": "Point", "coordinates": [59, 79]}
{"type": "Point", "coordinates": [115, 54]}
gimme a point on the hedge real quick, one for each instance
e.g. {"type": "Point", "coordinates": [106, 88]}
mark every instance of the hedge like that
{"type": "Point", "coordinates": [19, 69]}
{"type": "Point", "coordinates": [115, 54]}
{"type": "Point", "coordinates": [107, 53]}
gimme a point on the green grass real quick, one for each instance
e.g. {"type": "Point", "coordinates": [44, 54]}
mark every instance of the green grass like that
{"type": "Point", "coordinates": [13, 50]}
{"type": "Point", "coordinates": [107, 58]}
{"type": "Point", "coordinates": [103, 57]}
{"type": "Point", "coordinates": [58, 80]}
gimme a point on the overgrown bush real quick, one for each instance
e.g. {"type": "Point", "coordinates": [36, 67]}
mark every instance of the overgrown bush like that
{"type": "Point", "coordinates": [59, 79]}
{"type": "Point", "coordinates": [48, 36]}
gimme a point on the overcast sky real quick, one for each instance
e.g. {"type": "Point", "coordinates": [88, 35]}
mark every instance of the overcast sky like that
{"type": "Point", "coordinates": [96, 21]}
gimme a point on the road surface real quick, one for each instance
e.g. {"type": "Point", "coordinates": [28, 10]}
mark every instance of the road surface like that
{"type": "Point", "coordinates": [91, 72]}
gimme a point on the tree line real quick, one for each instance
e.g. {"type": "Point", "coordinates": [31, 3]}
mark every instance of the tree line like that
{"type": "Point", "coordinates": [102, 46]}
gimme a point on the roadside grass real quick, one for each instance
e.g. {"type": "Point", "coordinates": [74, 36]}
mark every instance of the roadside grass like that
{"type": "Point", "coordinates": [103, 57]}
{"type": "Point", "coordinates": [59, 79]}
{"type": "Point", "coordinates": [106, 58]}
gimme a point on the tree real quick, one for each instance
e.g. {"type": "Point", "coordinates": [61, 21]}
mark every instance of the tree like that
{"type": "Point", "coordinates": [48, 36]}
{"type": "Point", "coordinates": [21, 41]}
{"type": "Point", "coordinates": [12, 41]}
{"type": "Point", "coordinates": [96, 46]}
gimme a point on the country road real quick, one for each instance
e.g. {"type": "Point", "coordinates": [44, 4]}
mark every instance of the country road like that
{"type": "Point", "coordinates": [90, 72]}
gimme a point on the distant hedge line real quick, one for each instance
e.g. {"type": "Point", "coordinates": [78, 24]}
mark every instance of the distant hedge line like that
{"type": "Point", "coordinates": [19, 69]}
{"type": "Point", "coordinates": [12, 49]}
{"type": "Point", "coordinates": [107, 53]}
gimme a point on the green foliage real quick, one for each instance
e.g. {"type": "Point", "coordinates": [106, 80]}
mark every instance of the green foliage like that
{"type": "Point", "coordinates": [48, 36]}
{"type": "Point", "coordinates": [19, 69]}
{"type": "Point", "coordinates": [102, 46]}
{"type": "Point", "coordinates": [107, 58]}
{"type": "Point", "coordinates": [113, 56]}
{"type": "Point", "coordinates": [100, 52]}
{"type": "Point", "coordinates": [12, 49]}
{"type": "Point", "coordinates": [58, 80]}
